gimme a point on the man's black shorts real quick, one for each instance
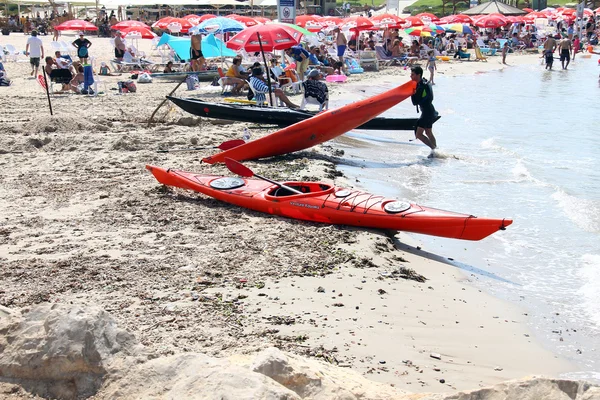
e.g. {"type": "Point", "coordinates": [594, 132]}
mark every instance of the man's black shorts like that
{"type": "Point", "coordinates": [565, 55]}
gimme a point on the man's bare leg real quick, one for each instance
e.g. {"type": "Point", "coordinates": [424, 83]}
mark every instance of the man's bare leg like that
{"type": "Point", "coordinates": [419, 135]}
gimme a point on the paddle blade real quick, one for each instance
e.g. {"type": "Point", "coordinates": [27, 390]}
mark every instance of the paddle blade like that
{"type": "Point", "coordinates": [231, 144]}
{"type": "Point", "coordinates": [238, 168]}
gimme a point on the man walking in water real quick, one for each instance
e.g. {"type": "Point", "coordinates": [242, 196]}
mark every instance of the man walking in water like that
{"type": "Point", "coordinates": [549, 47]}
{"type": "Point", "coordinates": [197, 58]}
{"type": "Point", "coordinates": [423, 99]}
{"type": "Point", "coordinates": [565, 46]}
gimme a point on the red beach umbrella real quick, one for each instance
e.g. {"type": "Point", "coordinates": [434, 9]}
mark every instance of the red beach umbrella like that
{"type": "Point", "coordinates": [535, 15]}
{"type": "Point", "coordinates": [357, 23]}
{"type": "Point", "coordinates": [76, 25]}
{"type": "Point", "coordinates": [165, 22]}
{"type": "Point", "coordinates": [243, 20]}
{"type": "Point", "coordinates": [387, 21]}
{"type": "Point", "coordinates": [413, 21]}
{"type": "Point", "coordinates": [330, 21]}
{"type": "Point", "coordinates": [528, 10]}
{"type": "Point", "coordinates": [138, 32]}
{"type": "Point", "coordinates": [162, 23]}
{"type": "Point", "coordinates": [272, 37]}
{"type": "Point", "coordinates": [515, 19]}
{"type": "Point", "coordinates": [427, 17]}
{"type": "Point", "coordinates": [309, 22]}
{"type": "Point", "coordinates": [204, 17]}
{"type": "Point", "coordinates": [263, 20]}
{"type": "Point", "coordinates": [490, 21]}
{"type": "Point", "coordinates": [193, 18]}
{"type": "Point", "coordinates": [461, 19]}
{"type": "Point", "coordinates": [128, 24]}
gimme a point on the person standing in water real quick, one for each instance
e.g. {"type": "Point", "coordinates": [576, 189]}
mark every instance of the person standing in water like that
{"type": "Point", "coordinates": [423, 99]}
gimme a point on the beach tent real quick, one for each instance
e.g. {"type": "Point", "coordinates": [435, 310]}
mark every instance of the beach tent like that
{"type": "Point", "coordinates": [494, 7]}
{"type": "Point", "coordinates": [211, 46]}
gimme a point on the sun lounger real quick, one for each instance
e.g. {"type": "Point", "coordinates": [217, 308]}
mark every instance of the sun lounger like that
{"type": "Point", "coordinates": [368, 60]}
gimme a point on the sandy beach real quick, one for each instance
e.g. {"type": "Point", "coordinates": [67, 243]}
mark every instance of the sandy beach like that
{"type": "Point", "coordinates": [84, 220]}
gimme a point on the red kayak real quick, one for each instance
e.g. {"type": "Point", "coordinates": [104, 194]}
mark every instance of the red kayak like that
{"type": "Point", "coordinates": [325, 203]}
{"type": "Point", "coordinates": [318, 129]}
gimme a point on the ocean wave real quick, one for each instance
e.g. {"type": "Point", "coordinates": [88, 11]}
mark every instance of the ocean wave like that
{"type": "Point", "coordinates": [584, 213]}
{"type": "Point", "coordinates": [589, 273]}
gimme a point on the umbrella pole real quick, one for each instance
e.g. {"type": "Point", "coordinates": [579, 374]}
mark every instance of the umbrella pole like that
{"type": "Point", "coordinates": [266, 68]}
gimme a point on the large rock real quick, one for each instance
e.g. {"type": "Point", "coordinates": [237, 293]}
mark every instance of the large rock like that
{"type": "Point", "coordinates": [319, 380]}
{"type": "Point", "coordinates": [528, 389]}
{"type": "Point", "coordinates": [60, 350]}
{"type": "Point", "coordinates": [194, 376]}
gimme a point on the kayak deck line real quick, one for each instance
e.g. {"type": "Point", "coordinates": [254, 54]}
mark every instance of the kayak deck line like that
{"type": "Point", "coordinates": [322, 202]}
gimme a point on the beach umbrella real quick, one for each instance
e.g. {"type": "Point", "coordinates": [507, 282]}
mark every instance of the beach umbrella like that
{"type": "Point", "coordinates": [490, 21]}
{"type": "Point", "coordinates": [516, 19]}
{"type": "Point", "coordinates": [193, 18]}
{"type": "Point", "coordinates": [263, 20]}
{"type": "Point", "coordinates": [137, 32]}
{"type": "Point", "coordinates": [529, 10]}
{"type": "Point", "coordinates": [128, 24]}
{"type": "Point", "coordinates": [460, 28]}
{"type": "Point", "coordinates": [267, 37]}
{"type": "Point", "coordinates": [162, 23]}
{"type": "Point", "coordinates": [217, 25]}
{"type": "Point", "coordinates": [413, 21]}
{"type": "Point", "coordinates": [427, 17]}
{"type": "Point", "coordinates": [389, 21]}
{"type": "Point", "coordinates": [436, 28]}
{"type": "Point", "coordinates": [247, 21]}
{"type": "Point", "coordinates": [330, 21]}
{"type": "Point", "coordinates": [204, 17]}
{"type": "Point", "coordinates": [211, 46]}
{"type": "Point", "coordinates": [532, 16]}
{"type": "Point", "coordinates": [309, 22]}
{"type": "Point", "coordinates": [418, 31]}
{"type": "Point", "coordinates": [461, 19]}
{"type": "Point", "coordinates": [357, 23]}
{"type": "Point", "coordinates": [76, 25]}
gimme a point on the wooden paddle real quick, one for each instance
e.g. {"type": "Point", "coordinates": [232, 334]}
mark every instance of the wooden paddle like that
{"type": "Point", "coordinates": [165, 100]}
{"type": "Point", "coordinates": [240, 169]}
{"type": "Point", "coordinates": [230, 144]}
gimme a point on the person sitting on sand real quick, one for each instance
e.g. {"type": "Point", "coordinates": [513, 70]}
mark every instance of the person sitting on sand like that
{"type": "Point", "coordinates": [260, 88]}
{"type": "Point", "coordinates": [76, 84]}
{"type": "Point", "coordinates": [104, 69]}
{"type": "Point", "coordinates": [168, 68]}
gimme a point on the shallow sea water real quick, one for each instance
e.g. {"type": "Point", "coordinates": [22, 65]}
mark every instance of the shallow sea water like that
{"type": "Point", "coordinates": [521, 143]}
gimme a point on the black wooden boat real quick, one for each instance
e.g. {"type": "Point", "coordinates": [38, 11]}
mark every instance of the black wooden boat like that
{"type": "Point", "coordinates": [277, 116]}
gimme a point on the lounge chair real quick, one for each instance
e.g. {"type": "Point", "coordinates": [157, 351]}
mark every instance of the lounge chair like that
{"type": "Point", "coordinates": [312, 100]}
{"type": "Point", "coordinates": [12, 52]}
{"type": "Point", "coordinates": [478, 54]}
{"type": "Point", "coordinates": [463, 55]}
{"type": "Point", "coordinates": [226, 88]}
{"type": "Point", "coordinates": [368, 60]}
{"type": "Point", "coordinates": [485, 49]}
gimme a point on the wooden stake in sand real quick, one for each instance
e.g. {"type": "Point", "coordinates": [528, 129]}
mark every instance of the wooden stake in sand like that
{"type": "Point", "coordinates": [47, 90]}
{"type": "Point", "coordinates": [165, 100]}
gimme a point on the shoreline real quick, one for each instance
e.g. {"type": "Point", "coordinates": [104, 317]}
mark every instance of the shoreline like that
{"type": "Point", "coordinates": [186, 273]}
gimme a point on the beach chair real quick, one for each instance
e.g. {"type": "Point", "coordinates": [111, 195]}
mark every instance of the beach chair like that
{"type": "Point", "coordinates": [274, 100]}
{"type": "Point", "coordinates": [386, 60]}
{"type": "Point", "coordinates": [67, 48]}
{"type": "Point", "coordinates": [478, 54]}
{"type": "Point", "coordinates": [2, 55]}
{"type": "Point", "coordinates": [55, 46]}
{"type": "Point", "coordinates": [368, 60]}
{"type": "Point", "coordinates": [11, 52]}
{"type": "Point", "coordinates": [484, 49]}
{"type": "Point", "coordinates": [225, 87]}
{"type": "Point", "coordinates": [311, 100]}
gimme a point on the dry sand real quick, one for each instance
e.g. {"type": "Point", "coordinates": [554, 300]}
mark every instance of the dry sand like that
{"type": "Point", "coordinates": [83, 219]}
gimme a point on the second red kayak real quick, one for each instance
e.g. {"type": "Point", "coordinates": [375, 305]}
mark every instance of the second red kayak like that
{"type": "Point", "coordinates": [325, 203]}
{"type": "Point", "coordinates": [318, 129]}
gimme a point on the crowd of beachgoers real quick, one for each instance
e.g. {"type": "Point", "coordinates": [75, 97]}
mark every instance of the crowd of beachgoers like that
{"type": "Point", "coordinates": [333, 45]}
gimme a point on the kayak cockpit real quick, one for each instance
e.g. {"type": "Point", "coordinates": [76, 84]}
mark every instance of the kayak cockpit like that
{"type": "Point", "coordinates": [307, 188]}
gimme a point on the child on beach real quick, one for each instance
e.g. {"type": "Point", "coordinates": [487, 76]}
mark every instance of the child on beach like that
{"type": "Point", "coordinates": [431, 66]}
{"type": "Point", "coordinates": [504, 53]}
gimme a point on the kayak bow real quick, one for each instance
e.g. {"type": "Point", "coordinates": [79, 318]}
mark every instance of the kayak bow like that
{"type": "Point", "coordinates": [325, 203]}
{"type": "Point", "coordinates": [318, 129]}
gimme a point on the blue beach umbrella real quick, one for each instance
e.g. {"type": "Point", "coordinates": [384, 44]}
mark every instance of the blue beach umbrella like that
{"type": "Point", "coordinates": [460, 28]}
{"type": "Point", "coordinates": [211, 46]}
{"type": "Point", "coordinates": [217, 25]}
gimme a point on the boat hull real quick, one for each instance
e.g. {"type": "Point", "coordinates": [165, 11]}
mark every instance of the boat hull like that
{"type": "Point", "coordinates": [318, 129]}
{"type": "Point", "coordinates": [203, 76]}
{"type": "Point", "coordinates": [277, 116]}
{"type": "Point", "coordinates": [324, 203]}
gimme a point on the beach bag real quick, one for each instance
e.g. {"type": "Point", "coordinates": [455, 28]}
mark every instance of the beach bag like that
{"type": "Point", "coordinates": [127, 87]}
{"type": "Point", "coordinates": [145, 78]}
{"type": "Point", "coordinates": [192, 82]}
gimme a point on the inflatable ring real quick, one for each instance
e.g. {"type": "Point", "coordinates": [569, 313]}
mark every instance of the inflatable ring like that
{"type": "Point", "coordinates": [336, 78]}
{"type": "Point", "coordinates": [443, 58]}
